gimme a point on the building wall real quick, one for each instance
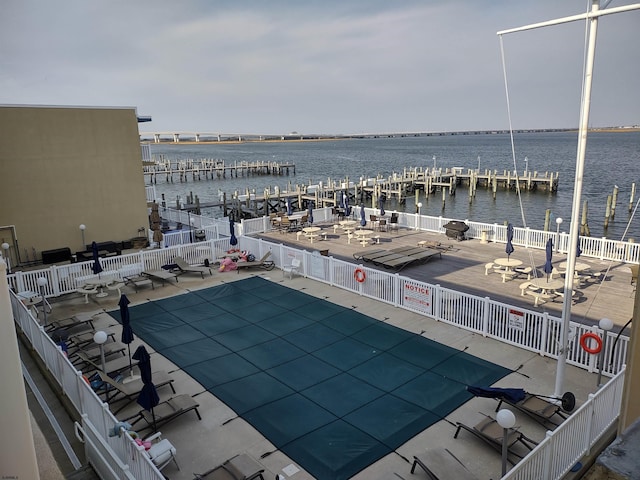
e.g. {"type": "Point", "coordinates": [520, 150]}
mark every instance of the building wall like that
{"type": "Point", "coordinates": [66, 166]}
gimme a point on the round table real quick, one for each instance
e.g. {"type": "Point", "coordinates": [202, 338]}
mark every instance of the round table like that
{"type": "Point", "coordinates": [579, 267]}
{"type": "Point", "coordinates": [311, 232]}
{"type": "Point", "coordinates": [347, 223]}
{"type": "Point", "coordinates": [548, 286]}
{"type": "Point", "coordinates": [362, 235]}
{"type": "Point", "coordinates": [508, 263]}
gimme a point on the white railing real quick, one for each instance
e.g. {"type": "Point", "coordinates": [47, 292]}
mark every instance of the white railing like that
{"type": "Point", "coordinates": [573, 439]}
{"type": "Point", "coordinates": [600, 248]}
{"type": "Point", "coordinates": [113, 457]}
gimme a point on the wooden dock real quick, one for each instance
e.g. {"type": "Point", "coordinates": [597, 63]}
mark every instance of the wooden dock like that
{"type": "Point", "coordinates": [398, 186]}
{"type": "Point", "coordinates": [210, 169]}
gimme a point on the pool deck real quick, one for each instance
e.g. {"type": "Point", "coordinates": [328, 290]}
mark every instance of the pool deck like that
{"type": "Point", "coordinates": [220, 434]}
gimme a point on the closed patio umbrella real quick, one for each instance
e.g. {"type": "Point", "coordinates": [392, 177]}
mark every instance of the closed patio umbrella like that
{"type": "Point", "coordinates": [578, 249]}
{"type": "Point", "coordinates": [233, 240]}
{"type": "Point", "coordinates": [310, 212]}
{"type": "Point", "coordinates": [509, 248]}
{"type": "Point", "coordinates": [347, 208]}
{"type": "Point", "coordinates": [96, 267]}
{"type": "Point", "coordinates": [548, 267]}
{"type": "Point", "coordinates": [148, 397]}
{"type": "Point", "coordinates": [127, 332]}
{"type": "Point", "coordinates": [381, 205]}
{"type": "Point", "coordinates": [363, 219]}
{"type": "Point", "coordinates": [289, 207]}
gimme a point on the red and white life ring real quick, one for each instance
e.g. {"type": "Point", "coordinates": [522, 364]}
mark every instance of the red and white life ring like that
{"type": "Point", "coordinates": [359, 275]}
{"type": "Point", "coordinates": [585, 345]}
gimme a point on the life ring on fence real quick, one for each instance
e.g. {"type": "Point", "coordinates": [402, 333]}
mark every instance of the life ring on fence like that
{"type": "Point", "coordinates": [583, 343]}
{"type": "Point", "coordinates": [359, 275]}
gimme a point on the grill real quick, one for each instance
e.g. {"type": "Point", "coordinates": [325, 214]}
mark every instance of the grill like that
{"type": "Point", "coordinates": [455, 229]}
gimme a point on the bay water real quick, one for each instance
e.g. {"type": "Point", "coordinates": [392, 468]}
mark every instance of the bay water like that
{"type": "Point", "coordinates": [612, 158]}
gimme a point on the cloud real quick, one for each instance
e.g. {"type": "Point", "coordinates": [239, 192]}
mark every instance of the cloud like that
{"type": "Point", "coordinates": [321, 67]}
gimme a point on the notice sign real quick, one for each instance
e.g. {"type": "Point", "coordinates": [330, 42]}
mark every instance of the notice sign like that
{"type": "Point", "coordinates": [417, 297]}
{"type": "Point", "coordinates": [516, 320]}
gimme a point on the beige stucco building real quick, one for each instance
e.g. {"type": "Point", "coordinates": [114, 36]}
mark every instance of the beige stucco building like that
{"type": "Point", "coordinates": [62, 167]}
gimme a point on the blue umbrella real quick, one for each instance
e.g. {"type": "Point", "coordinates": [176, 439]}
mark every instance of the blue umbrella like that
{"type": "Point", "coordinates": [578, 249]}
{"type": "Point", "coordinates": [233, 240]}
{"type": "Point", "coordinates": [96, 267]}
{"type": "Point", "coordinates": [289, 207]}
{"type": "Point", "coordinates": [509, 248]}
{"type": "Point", "coordinates": [347, 208]}
{"type": "Point", "coordinates": [363, 219]}
{"type": "Point", "coordinates": [310, 212]}
{"type": "Point", "coordinates": [127, 331]}
{"type": "Point", "coordinates": [548, 267]}
{"type": "Point", "coordinates": [342, 205]}
{"type": "Point", "coordinates": [148, 397]}
{"type": "Point", "coordinates": [381, 205]}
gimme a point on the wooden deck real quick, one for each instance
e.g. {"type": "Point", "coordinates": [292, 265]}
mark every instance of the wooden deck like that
{"type": "Point", "coordinates": [462, 268]}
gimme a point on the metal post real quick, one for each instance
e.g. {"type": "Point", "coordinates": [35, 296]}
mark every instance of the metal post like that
{"type": "Point", "coordinates": [605, 324]}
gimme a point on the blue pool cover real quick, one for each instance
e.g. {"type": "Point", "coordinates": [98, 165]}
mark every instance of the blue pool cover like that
{"type": "Point", "coordinates": [333, 389]}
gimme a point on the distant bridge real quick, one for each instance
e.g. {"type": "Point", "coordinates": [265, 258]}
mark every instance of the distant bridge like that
{"type": "Point", "coordinates": [198, 137]}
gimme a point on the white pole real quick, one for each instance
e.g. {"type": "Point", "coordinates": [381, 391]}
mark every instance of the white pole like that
{"type": "Point", "coordinates": [18, 454]}
{"type": "Point", "coordinates": [575, 208]}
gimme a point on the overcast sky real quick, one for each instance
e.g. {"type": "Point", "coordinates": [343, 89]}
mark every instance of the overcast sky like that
{"type": "Point", "coordinates": [319, 66]}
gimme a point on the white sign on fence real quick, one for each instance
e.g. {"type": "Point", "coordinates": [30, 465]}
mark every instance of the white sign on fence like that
{"type": "Point", "coordinates": [417, 297]}
{"type": "Point", "coordinates": [516, 320]}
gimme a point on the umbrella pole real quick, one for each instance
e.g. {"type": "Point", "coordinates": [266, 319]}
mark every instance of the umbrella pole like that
{"type": "Point", "coordinates": [153, 418]}
{"type": "Point", "coordinates": [130, 363]}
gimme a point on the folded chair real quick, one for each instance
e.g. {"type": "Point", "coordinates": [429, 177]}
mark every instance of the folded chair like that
{"type": "Point", "coordinates": [166, 411]}
{"type": "Point", "coordinates": [121, 391]}
{"type": "Point", "coordinates": [184, 267]}
{"type": "Point", "coordinates": [240, 467]}
{"type": "Point", "coordinates": [441, 464]}
{"type": "Point", "coordinates": [490, 432]}
{"type": "Point", "coordinates": [262, 263]}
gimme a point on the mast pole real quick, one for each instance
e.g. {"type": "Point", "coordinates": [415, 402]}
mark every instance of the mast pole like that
{"type": "Point", "coordinates": [577, 194]}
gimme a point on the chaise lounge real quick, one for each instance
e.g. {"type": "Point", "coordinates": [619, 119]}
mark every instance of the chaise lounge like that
{"type": "Point", "coordinates": [184, 267]}
{"type": "Point", "coordinates": [489, 431]}
{"type": "Point", "coordinates": [262, 263]}
{"type": "Point", "coordinates": [240, 467]}
{"type": "Point", "coordinates": [441, 464]}
{"type": "Point", "coordinates": [166, 411]}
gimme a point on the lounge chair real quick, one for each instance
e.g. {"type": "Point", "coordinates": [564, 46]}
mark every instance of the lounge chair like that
{"type": "Point", "coordinates": [162, 275]}
{"type": "Point", "coordinates": [111, 367]}
{"type": "Point", "coordinates": [139, 281]}
{"type": "Point", "coordinates": [262, 263]}
{"type": "Point", "coordinates": [81, 319]}
{"type": "Point", "coordinates": [441, 464]}
{"type": "Point", "coordinates": [120, 391]}
{"type": "Point", "coordinates": [535, 406]}
{"type": "Point", "coordinates": [539, 409]}
{"type": "Point", "coordinates": [490, 432]}
{"type": "Point", "coordinates": [240, 467]}
{"type": "Point", "coordinates": [166, 411]}
{"type": "Point", "coordinates": [184, 267]}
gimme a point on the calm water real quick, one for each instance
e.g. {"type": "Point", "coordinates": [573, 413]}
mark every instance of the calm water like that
{"type": "Point", "coordinates": [612, 159]}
